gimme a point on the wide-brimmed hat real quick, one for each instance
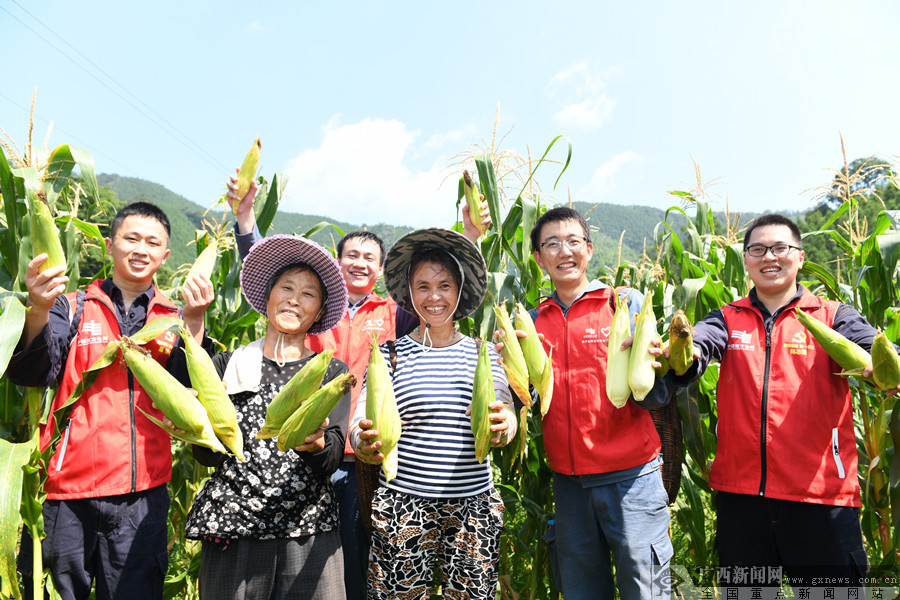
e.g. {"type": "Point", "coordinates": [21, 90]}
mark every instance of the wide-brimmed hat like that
{"type": "Point", "coordinates": [399, 258]}
{"type": "Point", "coordinates": [270, 254]}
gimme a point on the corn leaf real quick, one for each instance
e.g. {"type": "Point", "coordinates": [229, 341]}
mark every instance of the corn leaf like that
{"type": "Point", "coordinates": [12, 319]}
{"type": "Point", "coordinates": [265, 211]}
{"type": "Point", "coordinates": [155, 328]}
{"type": "Point", "coordinates": [12, 458]}
{"type": "Point", "coordinates": [9, 242]}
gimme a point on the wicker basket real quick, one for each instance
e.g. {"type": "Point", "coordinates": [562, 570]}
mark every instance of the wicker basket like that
{"type": "Point", "coordinates": [668, 425]}
{"type": "Point", "coordinates": [366, 484]}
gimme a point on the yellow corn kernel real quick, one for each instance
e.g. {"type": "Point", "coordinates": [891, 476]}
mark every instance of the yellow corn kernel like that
{"type": "Point", "coordinates": [681, 344]}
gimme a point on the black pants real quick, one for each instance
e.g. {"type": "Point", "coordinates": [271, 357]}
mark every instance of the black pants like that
{"type": "Point", "coordinates": [814, 544]}
{"type": "Point", "coordinates": [119, 542]}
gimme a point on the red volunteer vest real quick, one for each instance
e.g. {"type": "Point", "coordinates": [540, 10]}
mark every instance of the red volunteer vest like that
{"type": "Point", "coordinates": [108, 448]}
{"type": "Point", "coordinates": [583, 432]}
{"type": "Point", "coordinates": [785, 420]}
{"type": "Point", "coordinates": [352, 340]}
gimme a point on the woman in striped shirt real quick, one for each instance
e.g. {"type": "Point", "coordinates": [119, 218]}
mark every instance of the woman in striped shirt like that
{"type": "Point", "coordinates": [441, 510]}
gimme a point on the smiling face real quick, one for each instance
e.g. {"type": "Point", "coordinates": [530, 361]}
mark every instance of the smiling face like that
{"type": "Point", "coordinates": [138, 248]}
{"type": "Point", "coordinates": [361, 265]}
{"type": "Point", "coordinates": [567, 269]}
{"type": "Point", "coordinates": [295, 302]}
{"type": "Point", "coordinates": [775, 277]}
{"type": "Point", "coordinates": [434, 293]}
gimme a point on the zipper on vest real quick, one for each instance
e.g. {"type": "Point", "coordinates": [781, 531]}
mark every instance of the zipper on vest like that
{"type": "Point", "coordinates": [568, 392]}
{"type": "Point", "coordinates": [762, 418]}
{"type": "Point", "coordinates": [65, 444]}
{"type": "Point", "coordinates": [836, 452]}
{"type": "Point", "coordinates": [133, 432]}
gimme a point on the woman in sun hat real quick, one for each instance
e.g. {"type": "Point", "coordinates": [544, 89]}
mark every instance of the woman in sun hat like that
{"type": "Point", "coordinates": [442, 503]}
{"type": "Point", "coordinates": [269, 525]}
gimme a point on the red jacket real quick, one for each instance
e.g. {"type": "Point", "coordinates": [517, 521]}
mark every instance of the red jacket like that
{"type": "Point", "coordinates": [584, 433]}
{"type": "Point", "coordinates": [785, 419]}
{"type": "Point", "coordinates": [351, 339]}
{"type": "Point", "coordinates": [108, 447]}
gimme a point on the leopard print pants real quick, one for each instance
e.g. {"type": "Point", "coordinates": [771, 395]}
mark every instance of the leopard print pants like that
{"type": "Point", "coordinates": [412, 536]}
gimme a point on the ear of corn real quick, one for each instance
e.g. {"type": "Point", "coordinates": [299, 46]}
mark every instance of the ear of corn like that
{"type": "Point", "coordinates": [641, 375]}
{"type": "Point", "coordinates": [473, 200]}
{"type": "Point", "coordinates": [885, 363]}
{"type": "Point", "coordinates": [540, 369]}
{"type": "Point", "coordinates": [301, 386]}
{"type": "Point", "coordinates": [513, 360]}
{"type": "Point", "coordinates": [617, 361]}
{"type": "Point", "coordinates": [45, 235]}
{"type": "Point", "coordinates": [483, 394]}
{"type": "Point", "coordinates": [848, 355]}
{"type": "Point", "coordinates": [681, 344]}
{"type": "Point", "coordinates": [172, 398]}
{"type": "Point", "coordinates": [206, 260]}
{"type": "Point", "coordinates": [381, 409]}
{"type": "Point", "coordinates": [248, 171]}
{"type": "Point", "coordinates": [211, 393]}
{"type": "Point", "coordinates": [314, 410]}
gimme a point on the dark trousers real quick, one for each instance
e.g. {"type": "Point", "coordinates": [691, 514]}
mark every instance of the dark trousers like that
{"type": "Point", "coordinates": [117, 541]}
{"type": "Point", "coordinates": [354, 541]}
{"type": "Point", "coordinates": [814, 544]}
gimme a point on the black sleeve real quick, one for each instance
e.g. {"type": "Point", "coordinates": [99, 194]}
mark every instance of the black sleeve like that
{"type": "Point", "coordinates": [406, 322]}
{"type": "Point", "coordinates": [203, 455]}
{"type": "Point", "coordinates": [329, 459]}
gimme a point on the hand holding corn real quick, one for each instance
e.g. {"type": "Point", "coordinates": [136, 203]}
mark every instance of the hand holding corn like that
{"type": "Point", "coordinates": [198, 294]}
{"type": "Point", "coordinates": [472, 229]}
{"type": "Point", "coordinates": [243, 205]}
{"type": "Point", "coordinates": [315, 442]}
{"type": "Point", "coordinates": [44, 286]}
{"type": "Point", "coordinates": [503, 422]}
{"type": "Point", "coordinates": [367, 450]}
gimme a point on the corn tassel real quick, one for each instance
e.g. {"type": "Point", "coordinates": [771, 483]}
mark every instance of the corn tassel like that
{"type": "Point", "coordinates": [848, 355]}
{"type": "Point", "coordinates": [473, 199]}
{"type": "Point", "coordinates": [247, 173]}
{"type": "Point", "coordinates": [483, 394]}
{"type": "Point", "coordinates": [540, 365]}
{"type": "Point", "coordinates": [301, 386]}
{"type": "Point", "coordinates": [381, 409]}
{"type": "Point", "coordinates": [45, 235]}
{"type": "Point", "coordinates": [885, 363]}
{"type": "Point", "coordinates": [512, 359]}
{"type": "Point", "coordinates": [641, 375]}
{"type": "Point", "coordinates": [211, 393]}
{"type": "Point", "coordinates": [313, 412]}
{"type": "Point", "coordinates": [681, 344]}
{"type": "Point", "coordinates": [617, 361]}
{"type": "Point", "coordinates": [172, 398]}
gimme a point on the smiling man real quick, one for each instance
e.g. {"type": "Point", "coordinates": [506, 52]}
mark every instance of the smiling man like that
{"type": "Point", "coordinates": [607, 485]}
{"type": "Point", "coordinates": [785, 467]}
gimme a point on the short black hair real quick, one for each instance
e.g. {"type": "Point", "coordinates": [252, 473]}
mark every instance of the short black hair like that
{"type": "Point", "coordinates": [294, 266]}
{"type": "Point", "coordinates": [141, 209]}
{"type": "Point", "coordinates": [773, 219]}
{"type": "Point", "coordinates": [554, 215]}
{"type": "Point", "coordinates": [364, 235]}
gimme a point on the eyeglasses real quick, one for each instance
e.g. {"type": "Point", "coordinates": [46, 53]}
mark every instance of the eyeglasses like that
{"type": "Point", "coordinates": [758, 250]}
{"type": "Point", "coordinates": [573, 244]}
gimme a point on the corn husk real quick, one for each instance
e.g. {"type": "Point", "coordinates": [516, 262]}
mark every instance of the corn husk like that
{"type": "Point", "coordinates": [539, 363]}
{"type": "Point", "coordinates": [173, 399]}
{"type": "Point", "coordinates": [206, 260]}
{"type": "Point", "coordinates": [848, 355]}
{"type": "Point", "coordinates": [45, 235]}
{"type": "Point", "coordinates": [301, 386]}
{"type": "Point", "coordinates": [483, 394]}
{"type": "Point", "coordinates": [381, 409]}
{"type": "Point", "coordinates": [211, 393]}
{"type": "Point", "coordinates": [681, 344]}
{"type": "Point", "coordinates": [247, 173]}
{"type": "Point", "coordinates": [617, 361]}
{"type": "Point", "coordinates": [473, 200]}
{"type": "Point", "coordinates": [313, 412]}
{"type": "Point", "coordinates": [641, 375]}
{"type": "Point", "coordinates": [885, 363]}
{"type": "Point", "coordinates": [512, 358]}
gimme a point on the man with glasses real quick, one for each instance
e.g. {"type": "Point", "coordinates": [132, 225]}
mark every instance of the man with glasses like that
{"type": "Point", "coordinates": [785, 467]}
{"type": "Point", "coordinates": [607, 484]}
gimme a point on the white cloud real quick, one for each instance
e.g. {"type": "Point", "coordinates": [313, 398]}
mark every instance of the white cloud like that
{"type": "Point", "coordinates": [604, 178]}
{"type": "Point", "coordinates": [360, 174]}
{"type": "Point", "coordinates": [581, 91]}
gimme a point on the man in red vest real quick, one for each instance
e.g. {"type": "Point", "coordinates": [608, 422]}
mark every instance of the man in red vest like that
{"type": "Point", "coordinates": [607, 485]}
{"type": "Point", "coordinates": [107, 504]}
{"type": "Point", "coordinates": [361, 255]}
{"type": "Point", "coordinates": [788, 495]}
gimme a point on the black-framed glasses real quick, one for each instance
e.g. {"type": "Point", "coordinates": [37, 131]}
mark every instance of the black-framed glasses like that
{"type": "Point", "coordinates": [573, 244]}
{"type": "Point", "coordinates": [758, 250]}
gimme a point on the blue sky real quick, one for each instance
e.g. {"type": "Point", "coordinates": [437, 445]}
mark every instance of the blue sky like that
{"type": "Point", "coordinates": [365, 105]}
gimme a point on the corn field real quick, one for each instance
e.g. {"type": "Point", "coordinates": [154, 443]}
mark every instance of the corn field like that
{"type": "Point", "coordinates": [694, 266]}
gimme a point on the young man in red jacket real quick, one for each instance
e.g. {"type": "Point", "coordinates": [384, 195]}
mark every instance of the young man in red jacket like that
{"type": "Point", "coordinates": [607, 484]}
{"type": "Point", "coordinates": [361, 256]}
{"type": "Point", "coordinates": [785, 467]}
{"type": "Point", "coordinates": [107, 503]}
